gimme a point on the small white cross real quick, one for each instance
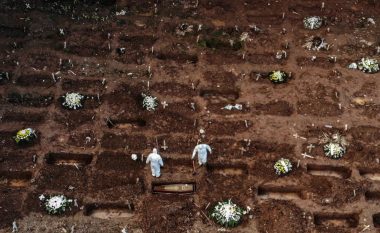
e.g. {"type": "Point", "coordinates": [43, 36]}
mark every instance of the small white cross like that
{"type": "Point", "coordinates": [366, 228]}
{"type": "Point", "coordinates": [164, 146]}
{"type": "Point", "coordinates": [164, 104]}
{"type": "Point", "coordinates": [310, 147]}
{"type": "Point", "coordinates": [306, 155]}
{"type": "Point", "coordinates": [246, 123]}
{"type": "Point", "coordinates": [242, 149]}
{"type": "Point", "coordinates": [249, 142]}
{"type": "Point", "coordinates": [258, 75]}
{"type": "Point", "coordinates": [192, 105]}
{"type": "Point", "coordinates": [88, 140]}
{"type": "Point", "coordinates": [296, 135]}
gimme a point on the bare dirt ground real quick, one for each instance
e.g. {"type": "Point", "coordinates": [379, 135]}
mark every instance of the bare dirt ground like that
{"type": "Point", "coordinates": [113, 191]}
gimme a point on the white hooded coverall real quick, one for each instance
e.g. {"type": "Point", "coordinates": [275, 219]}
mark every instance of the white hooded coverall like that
{"type": "Point", "coordinates": [155, 163]}
{"type": "Point", "coordinates": [202, 153]}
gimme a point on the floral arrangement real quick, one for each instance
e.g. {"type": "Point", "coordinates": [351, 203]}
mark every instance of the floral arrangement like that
{"type": "Point", "coordinates": [149, 102]}
{"type": "Point", "coordinates": [368, 65]}
{"type": "Point", "coordinates": [227, 213]}
{"type": "Point", "coordinates": [73, 100]}
{"type": "Point", "coordinates": [231, 107]}
{"type": "Point", "coordinates": [283, 166]}
{"type": "Point", "coordinates": [56, 204]}
{"type": "Point", "coordinates": [25, 135]}
{"type": "Point", "coordinates": [281, 54]}
{"type": "Point", "coordinates": [245, 37]}
{"type": "Point", "coordinates": [316, 43]}
{"type": "Point", "coordinates": [353, 66]}
{"type": "Point", "coordinates": [3, 76]}
{"type": "Point", "coordinates": [184, 28]}
{"type": "Point", "coordinates": [334, 145]}
{"type": "Point", "coordinates": [312, 22]}
{"type": "Point", "coordinates": [278, 76]}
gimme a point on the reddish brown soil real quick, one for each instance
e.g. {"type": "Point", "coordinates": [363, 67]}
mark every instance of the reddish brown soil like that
{"type": "Point", "coordinates": [113, 191]}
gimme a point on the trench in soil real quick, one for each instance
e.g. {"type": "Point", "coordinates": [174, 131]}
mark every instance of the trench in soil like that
{"type": "Point", "coordinates": [80, 85]}
{"type": "Point", "coordinates": [280, 192]}
{"type": "Point", "coordinates": [109, 211]}
{"type": "Point", "coordinates": [264, 58]}
{"type": "Point", "coordinates": [232, 170]}
{"type": "Point", "coordinates": [173, 188]}
{"type": "Point", "coordinates": [224, 94]}
{"type": "Point", "coordinates": [178, 57]}
{"type": "Point", "coordinates": [68, 159]}
{"type": "Point", "coordinates": [345, 220]}
{"type": "Point", "coordinates": [12, 31]}
{"type": "Point", "coordinates": [371, 174]}
{"type": "Point", "coordinates": [178, 166]}
{"type": "Point", "coordinates": [376, 220]}
{"type": "Point", "coordinates": [37, 80]}
{"type": "Point", "coordinates": [17, 116]}
{"type": "Point", "coordinates": [38, 101]}
{"type": "Point", "coordinates": [18, 179]}
{"type": "Point", "coordinates": [267, 19]}
{"type": "Point", "coordinates": [372, 195]}
{"type": "Point", "coordinates": [328, 170]}
{"type": "Point", "coordinates": [125, 123]}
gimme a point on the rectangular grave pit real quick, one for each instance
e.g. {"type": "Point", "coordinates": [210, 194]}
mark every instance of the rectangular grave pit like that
{"type": "Point", "coordinates": [68, 159]}
{"type": "Point", "coordinates": [341, 220]}
{"type": "Point", "coordinates": [109, 210]}
{"type": "Point", "coordinates": [173, 187]}
{"type": "Point", "coordinates": [15, 179]}
{"type": "Point", "coordinates": [372, 174]}
{"type": "Point", "coordinates": [328, 170]}
{"type": "Point", "coordinates": [281, 192]}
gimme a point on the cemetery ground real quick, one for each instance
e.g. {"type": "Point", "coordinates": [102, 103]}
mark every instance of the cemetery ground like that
{"type": "Point", "coordinates": [196, 58]}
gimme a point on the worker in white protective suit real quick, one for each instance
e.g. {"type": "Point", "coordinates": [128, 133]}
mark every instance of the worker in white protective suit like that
{"type": "Point", "coordinates": [156, 163]}
{"type": "Point", "coordinates": [202, 150]}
